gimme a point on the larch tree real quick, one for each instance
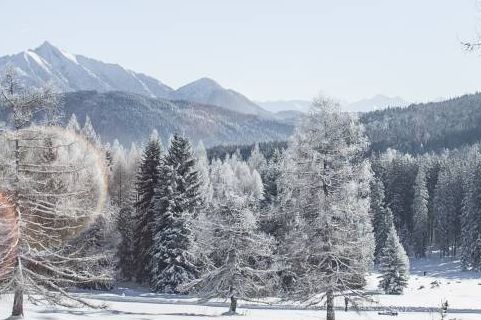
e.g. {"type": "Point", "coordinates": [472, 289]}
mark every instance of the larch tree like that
{"type": "Point", "coordinates": [52, 188]}
{"type": "Point", "coordinates": [239, 254]}
{"type": "Point", "coordinates": [329, 180]}
{"type": "Point", "coordinates": [420, 214]}
{"type": "Point", "coordinates": [393, 265]}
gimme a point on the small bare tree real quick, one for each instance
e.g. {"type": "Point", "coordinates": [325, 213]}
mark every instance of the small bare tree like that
{"type": "Point", "coordinates": [52, 188]}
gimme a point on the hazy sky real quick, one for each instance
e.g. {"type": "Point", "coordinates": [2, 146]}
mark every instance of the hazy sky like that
{"type": "Point", "coordinates": [267, 49]}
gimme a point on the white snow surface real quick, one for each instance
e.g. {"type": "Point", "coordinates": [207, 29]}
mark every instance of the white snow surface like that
{"type": "Point", "coordinates": [461, 289]}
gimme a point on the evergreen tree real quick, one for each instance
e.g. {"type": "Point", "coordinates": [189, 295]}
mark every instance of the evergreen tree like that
{"type": "Point", "coordinates": [89, 133]}
{"type": "Point", "coordinates": [381, 215]}
{"type": "Point", "coordinates": [448, 203]}
{"type": "Point", "coordinates": [176, 202]}
{"type": "Point", "coordinates": [471, 220]}
{"type": "Point", "coordinates": [257, 161]}
{"type": "Point", "coordinates": [420, 214]}
{"type": "Point", "coordinates": [73, 124]}
{"type": "Point", "coordinates": [181, 158]}
{"type": "Point", "coordinates": [394, 265]}
{"type": "Point", "coordinates": [172, 262]}
{"type": "Point", "coordinates": [147, 180]}
{"type": "Point", "coordinates": [270, 178]}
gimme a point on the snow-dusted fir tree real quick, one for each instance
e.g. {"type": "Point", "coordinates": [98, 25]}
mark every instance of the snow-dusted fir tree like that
{"type": "Point", "coordinates": [381, 215]}
{"type": "Point", "coordinates": [420, 214]}
{"type": "Point", "coordinates": [181, 158]}
{"type": "Point", "coordinates": [147, 180]}
{"type": "Point", "coordinates": [172, 260]}
{"type": "Point", "coordinates": [393, 265]}
{"type": "Point", "coordinates": [270, 178]}
{"type": "Point", "coordinates": [176, 203]}
{"type": "Point", "coordinates": [471, 219]}
{"type": "Point", "coordinates": [239, 253]}
{"type": "Point", "coordinates": [89, 133]}
{"type": "Point", "coordinates": [332, 245]}
{"type": "Point", "coordinates": [52, 188]}
{"type": "Point", "coordinates": [257, 161]}
{"type": "Point", "coordinates": [73, 124]}
{"type": "Point", "coordinates": [448, 203]}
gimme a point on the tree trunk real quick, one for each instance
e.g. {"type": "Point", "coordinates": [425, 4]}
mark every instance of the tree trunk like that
{"type": "Point", "coordinates": [233, 305]}
{"type": "Point", "coordinates": [330, 305]}
{"type": "Point", "coordinates": [17, 309]}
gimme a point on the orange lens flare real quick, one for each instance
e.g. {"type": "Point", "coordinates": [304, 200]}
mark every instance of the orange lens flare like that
{"type": "Point", "coordinates": [9, 237]}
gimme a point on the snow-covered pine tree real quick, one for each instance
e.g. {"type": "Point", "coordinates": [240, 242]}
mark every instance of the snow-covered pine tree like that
{"type": "Point", "coordinates": [448, 203]}
{"type": "Point", "coordinates": [172, 261]}
{"type": "Point", "coordinates": [257, 161]}
{"type": "Point", "coordinates": [89, 133]}
{"type": "Point", "coordinates": [229, 233]}
{"type": "Point", "coordinates": [270, 178]}
{"type": "Point", "coordinates": [471, 218]}
{"type": "Point", "coordinates": [147, 180]}
{"type": "Point", "coordinates": [393, 265]}
{"type": "Point", "coordinates": [73, 124]}
{"type": "Point", "coordinates": [181, 158]}
{"type": "Point", "coordinates": [420, 214]}
{"type": "Point", "coordinates": [176, 203]}
{"type": "Point", "coordinates": [329, 181]}
{"type": "Point", "coordinates": [381, 215]}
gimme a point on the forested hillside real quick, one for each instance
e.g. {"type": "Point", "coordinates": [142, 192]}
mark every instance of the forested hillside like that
{"type": "Point", "coordinates": [130, 117]}
{"type": "Point", "coordinates": [426, 127]}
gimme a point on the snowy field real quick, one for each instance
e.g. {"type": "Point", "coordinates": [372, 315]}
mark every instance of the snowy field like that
{"type": "Point", "coordinates": [420, 301]}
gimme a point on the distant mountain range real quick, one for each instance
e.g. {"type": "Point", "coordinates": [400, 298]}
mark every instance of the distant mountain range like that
{"type": "Point", "coordinates": [365, 105]}
{"type": "Point", "coordinates": [70, 72]}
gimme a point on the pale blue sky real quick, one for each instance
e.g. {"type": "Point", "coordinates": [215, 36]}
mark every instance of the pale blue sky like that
{"type": "Point", "coordinates": [267, 49]}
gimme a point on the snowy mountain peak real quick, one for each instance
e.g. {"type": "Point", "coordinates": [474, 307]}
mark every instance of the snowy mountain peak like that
{"type": "Point", "coordinates": [70, 72]}
{"type": "Point", "coordinates": [206, 84]}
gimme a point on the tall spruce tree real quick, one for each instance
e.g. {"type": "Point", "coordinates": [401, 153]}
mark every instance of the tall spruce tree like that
{"type": "Point", "coordinates": [172, 261]}
{"type": "Point", "coordinates": [381, 215]}
{"type": "Point", "coordinates": [147, 181]}
{"type": "Point", "coordinates": [394, 265]}
{"type": "Point", "coordinates": [181, 158]}
{"type": "Point", "coordinates": [420, 214]}
{"type": "Point", "coordinates": [471, 220]}
{"type": "Point", "coordinates": [176, 202]}
{"type": "Point", "coordinates": [448, 202]}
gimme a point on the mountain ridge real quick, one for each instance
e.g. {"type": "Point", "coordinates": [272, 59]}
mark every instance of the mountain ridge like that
{"type": "Point", "coordinates": [70, 72]}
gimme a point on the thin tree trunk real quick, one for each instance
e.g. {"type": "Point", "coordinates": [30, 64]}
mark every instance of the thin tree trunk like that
{"type": "Point", "coordinates": [17, 309]}
{"type": "Point", "coordinates": [233, 305]}
{"type": "Point", "coordinates": [330, 305]}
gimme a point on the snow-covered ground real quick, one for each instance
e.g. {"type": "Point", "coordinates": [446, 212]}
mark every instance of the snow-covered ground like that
{"type": "Point", "coordinates": [421, 301]}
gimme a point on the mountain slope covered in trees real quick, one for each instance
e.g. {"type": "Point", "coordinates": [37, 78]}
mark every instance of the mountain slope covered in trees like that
{"type": "Point", "coordinates": [131, 117]}
{"type": "Point", "coordinates": [426, 127]}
